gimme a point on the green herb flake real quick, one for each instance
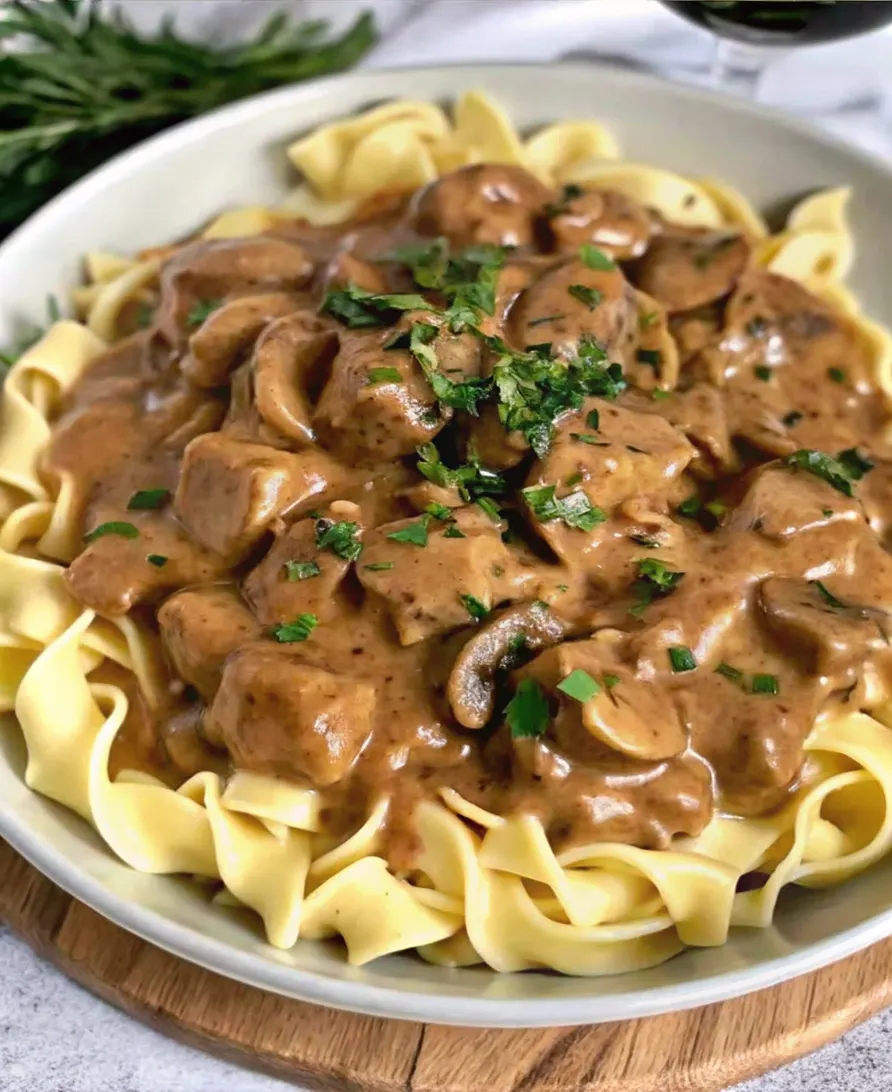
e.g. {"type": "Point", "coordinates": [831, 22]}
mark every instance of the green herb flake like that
{"type": "Point", "coordinates": [357, 308]}
{"type": "Point", "coordinates": [113, 527]}
{"type": "Point", "coordinates": [690, 507]}
{"type": "Point", "coordinates": [595, 258]}
{"type": "Point", "coordinates": [576, 510]}
{"type": "Point", "coordinates": [146, 499]}
{"type": "Point", "coordinates": [660, 396]}
{"type": "Point", "coordinates": [489, 506]}
{"type": "Point", "coordinates": [202, 310]}
{"type": "Point", "coordinates": [653, 358]}
{"type": "Point", "coordinates": [792, 418]}
{"type": "Point", "coordinates": [655, 580]}
{"type": "Point", "coordinates": [837, 375]}
{"type": "Point", "coordinates": [527, 712]}
{"type": "Point", "coordinates": [453, 532]}
{"type": "Point", "coordinates": [584, 438]}
{"type": "Point", "coordinates": [158, 560]}
{"type": "Point", "coordinates": [340, 537]}
{"type": "Point", "coordinates": [839, 472]}
{"type": "Point", "coordinates": [543, 319]}
{"type": "Point", "coordinates": [441, 512]}
{"type": "Point", "coordinates": [559, 208]}
{"type": "Point", "coordinates": [648, 319]}
{"type": "Point", "coordinates": [732, 674]}
{"type": "Point", "coordinates": [856, 463]}
{"type": "Point", "coordinates": [288, 633]}
{"type": "Point", "coordinates": [610, 681]}
{"type": "Point", "coordinates": [301, 570]}
{"type": "Point", "coordinates": [379, 566]}
{"type": "Point", "coordinates": [465, 395]}
{"type": "Point", "coordinates": [765, 684]}
{"type": "Point", "coordinates": [828, 596]}
{"type": "Point", "coordinates": [579, 686]}
{"type": "Point", "coordinates": [414, 534]}
{"type": "Point", "coordinates": [591, 297]}
{"type": "Point", "coordinates": [384, 375]}
{"type": "Point", "coordinates": [681, 659]}
{"type": "Point", "coordinates": [762, 373]}
{"type": "Point", "coordinates": [593, 420]}
{"type": "Point", "coordinates": [472, 479]}
{"type": "Point", "coordinates": [826, 512]}
{"type": "Point", "coordinates": [477, 610]}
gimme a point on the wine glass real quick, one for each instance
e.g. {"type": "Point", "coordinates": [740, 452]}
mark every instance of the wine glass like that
{"type": "Point", "coordinates": [753, 34]}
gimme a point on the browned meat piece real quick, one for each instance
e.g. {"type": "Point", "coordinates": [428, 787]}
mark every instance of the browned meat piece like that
{"type": "Point", "coordinates": [606, 218]}
{"type": "Point", "coordinates": [429, 588]}
{"type": "Point", "coordinates": [695, 330]}
{"type": "Point", "coordinates": [186, 746]}
{"type": "Point", "coordinates": [113, 574]}
{"type": "Point", "coordinates": [230, 492]}
{"type": "Point", "coordinates": [200, 627]}
{"type": "Point", "coordinates": [572, 301]}
{"type": "Point", "coordinates": [280, 717]}
{"type": "Point", "coordinates": [364, 412]}
{"type": "Point", "coordinates": [690, 269]}
{"type": "Point", "coordinates": [202, 275]}
{"type": "Point", "coordinates": [494, 447]}
{"type": "Point", "coordinates": [700, 413]}
{"type": "Point", "coordinates": [296, 577]}
{"type": "Point", "coordinates": [781, 503]}
{"type": "Point", "coordinates": [472, 683]}
{"type": "Point", "coordinates": [483, 203]}
{"type": "Point", "coordinates": [832, 635]}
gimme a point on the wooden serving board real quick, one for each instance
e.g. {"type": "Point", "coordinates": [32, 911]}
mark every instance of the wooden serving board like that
{"type": "Point", "coordinates": [703, 1050]}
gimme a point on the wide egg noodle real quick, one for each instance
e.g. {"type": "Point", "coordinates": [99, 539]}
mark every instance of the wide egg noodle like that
{"type": "Point", "coordinates": [485, 888]}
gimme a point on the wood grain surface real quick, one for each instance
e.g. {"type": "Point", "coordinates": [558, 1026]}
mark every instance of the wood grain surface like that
{"type": "Point", "coordinates": [704, 1050]}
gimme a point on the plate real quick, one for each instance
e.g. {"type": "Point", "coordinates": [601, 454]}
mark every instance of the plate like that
{"type": "Point", "coordinates": [170, 185]}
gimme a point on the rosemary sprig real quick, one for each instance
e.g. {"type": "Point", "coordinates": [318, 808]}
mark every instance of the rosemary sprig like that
{"type": "Point", "coordinates": [84, 88]}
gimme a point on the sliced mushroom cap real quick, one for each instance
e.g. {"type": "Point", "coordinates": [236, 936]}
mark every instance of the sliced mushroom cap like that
{"type": "Point", "coordinates": [634, 717]}
{"type": "Point", "coordinates": [688, 270]}
{"type": "Point", "coordinates": [606, 218]}
{"type": "Point", "coordinates": [471, 688]}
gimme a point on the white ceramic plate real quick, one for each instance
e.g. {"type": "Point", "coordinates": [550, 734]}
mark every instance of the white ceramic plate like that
{"type": "Point", "coordinates": [173, 183]}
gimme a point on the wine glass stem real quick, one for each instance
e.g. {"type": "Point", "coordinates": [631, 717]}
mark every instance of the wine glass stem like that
{"type": "Point", "coordinates": [738, 68]}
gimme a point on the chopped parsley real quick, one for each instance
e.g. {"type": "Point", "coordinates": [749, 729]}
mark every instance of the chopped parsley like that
{"type": "Point", "coordinates": [158, 560]}
{"type": "Point", "coordinates": [545, 318]}
{"type": "Point", "coordinates": [592, 441]}
{"type": "Point", "coordinates": [341, 538]}
{"type": "Point", "coordinates": [839, 472]}
{"type": "Point", "coordinates": [733, 674]}
{"type": "Point", "coordinates": [765, 684]}
{"type": "Point", "coordinates": [113, 527]}
{"type": "Point", "coordinates": [201, 311]}
{"type": "Point", "coordinates": [762, 372]}
{"type": "Point", "coordinates": [655, 580]}
{"type": "Point", "coordinates": [792, 418]}
{"type": "Point", "coordinates": [681, 659]}
{"type": "Point", "coordinates": [838, 375]}
{"type": "Point", "coordinates": [489, 506]}
{"type": "Point", "coordinates": [527, 712]}
{"type": "Point", "coordinates": [441, 512]}
{"type": "Point", "coordinates": [579, 686]}
{"type": "Point", "coordinates": [413, 533]}
{"type": "Point", "coordinates": [465, 395]}
{"type": "Point", "coordinates": [653, 358]}
{"type": "Point", "coordinates": [299, 629]}
{"type": "Point", "coordinates": [576, 510]}
{"type": "Point", "coordinates": [610, 681]}
{"type": "Point", "coordinates": [659, 395]}
{"type": "Point", "coordinates": [569, 193]}
{"type": "Point", "coordinates": [593, 420]}
{"type": "Point", "coordinates": [356, 308]}
{"type": "Point", "coordinates": [595, 258]}
{"type": "Point", "coordinates": [477, 610]}
{"type": "Point", "coordinates": [690, 507]}
{"type": "Point", "coordinates": [648, 319]}
{"type": "Point", "coordinates": [591, 297]}
{"type": "Point", "coordinates": [384, 375]}
{"type": "Point", "coordinates": [453, 532]}
{"type": "Point", "coordinates": [828, 596]}
{"type": "Point", "coordinates": [471, 479]}
{"type": "Point", "coordinates": [429, 262]}
{"type": "Point", "coordinates": [379, 566]}
{"type": "Point", "coordinates": [148, 498]}
{"type": "Point", "coordinates": [301, 570]}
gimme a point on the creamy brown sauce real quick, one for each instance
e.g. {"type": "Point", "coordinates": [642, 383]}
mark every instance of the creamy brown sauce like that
{"type": "Point", "coordinates": [267, 421]}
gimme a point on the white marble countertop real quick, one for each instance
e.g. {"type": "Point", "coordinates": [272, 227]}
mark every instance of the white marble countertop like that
{"type": "Point", "coordinates": [55, 1037]}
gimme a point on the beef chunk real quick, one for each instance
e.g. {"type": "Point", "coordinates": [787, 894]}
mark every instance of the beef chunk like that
{"type": "Point", "coordinates": [230, 492]}
{"type": "Point", "coordinates": [608, 219]}
{"type": "Point", "coordinates": [200, 627]}
{"type": "Point", "coordinates": [280, 717]}
{"type": "Point", "coordinates": [684, 270]}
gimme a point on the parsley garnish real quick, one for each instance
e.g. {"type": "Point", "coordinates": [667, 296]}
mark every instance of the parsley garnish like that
{"type": "Point", "coordinates": [489, 506]}
{"type": "Point", "coordinates": [465, 395]}
{"type": "Point", "coordinates": [527, 712]}
{"type": "Point", "coordinates": [113, 527]}
{"type": "Point", "coordinates": [453, 532]}
{"type": "Point", "coordinates": [158, 560]}
{"type": "Point", "coordinates": [659, 395]}
{"type": "Point", "coordinates": [379, 566]}
{"type": "Point", "coordinates": [545, 318]}
{"type": "Point", "coordinates": [839, 472]}
{"type": "Point", "coordinates": [731, 673]}
{"type": "Point", "coordinates": [648, 319]}
{"type": "Point", "coordinates": [414, 533]}
{"type": "Point", "coordinates": [148, 498]}
{"type": "Point", "coordinates": [592, 441]}
{"type": "Point", "coordinates": [653, 358]}
{"type": "Point", "coordinates": [201, 310]}
{"type": "Point", "coordinates": [441, 512]}
{"type": "Point", "coordinates": [681, 659]}
{"type": "Point", "coordinates": [838, 375]}
{"type": "Point", "coordinates": [690, 507]}
{"type": "Point", "coordinates": [356, 308]}
{"type": "Point", "coordinates": [341, 538]}
{"type": "Point", "coordinates": [301, 570]}
{"type": "Point", "coordinates": [471, 479]}
{"type": "Point", "coordinates": [655, 580]}
{"type": "Point", "coordinates": [570, 193]}
{"type": "Point", "coordinates": [595, 259]}
{"type": "Point", "coordinates": [593, 420]}
{"type": "Point", "coordinates": [384, 375]}
{"type": "Point", "coordinates": [610, 681]}
{"type": "Point", "coordinates": [792, 418]}
{"type": "Point", "coordinates": [299, 629]}
{"type": "Point", "coordinates": [576, 510]}
{"type": "Point", "coordinates": [765, 684]}
{"type": "Point", "coordinates": [762, 372]}
{"type": "Point", "coordinates": [579, 686]}
{"type": "Point", "coordinates": [428, 261]}
{"type": "Point", "coordinates": [477, 610]}
{"type": "Point", "coordinates": [828, 596]}
{"type": "Point", "coordinates": [589, 296]}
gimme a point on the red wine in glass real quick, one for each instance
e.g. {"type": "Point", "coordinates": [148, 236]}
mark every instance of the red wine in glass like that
{"type": "Point", "coordinates": [754, 31]}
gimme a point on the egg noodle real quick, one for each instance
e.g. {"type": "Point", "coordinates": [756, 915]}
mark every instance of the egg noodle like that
{"type": "Point", "coordinates": [487, 888]}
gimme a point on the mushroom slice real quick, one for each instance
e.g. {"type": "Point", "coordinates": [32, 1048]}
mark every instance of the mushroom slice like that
{"type": "Point", "coordinates": [471, 688]}
{"type": "Point", "coordinates": [635, 717]}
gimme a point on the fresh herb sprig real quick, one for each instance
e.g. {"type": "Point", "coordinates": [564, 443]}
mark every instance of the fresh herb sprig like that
{"type": "Point", "coordinates": [87, 85]}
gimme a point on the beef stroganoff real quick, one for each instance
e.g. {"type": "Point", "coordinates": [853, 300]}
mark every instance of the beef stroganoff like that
{"type": "Point", "coordinates": [484, 552]}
